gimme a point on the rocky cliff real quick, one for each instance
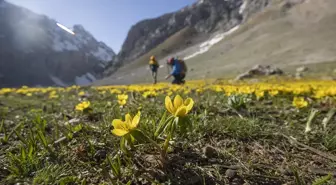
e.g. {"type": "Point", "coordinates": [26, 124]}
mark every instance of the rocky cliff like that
{"type": "Point", "coordinates": [206, 16]}
{"type": "Point", "coordinates": [35, 51]}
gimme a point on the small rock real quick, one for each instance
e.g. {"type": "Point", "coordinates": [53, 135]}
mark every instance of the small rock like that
{"type": "Point", "coordinates": [260, 71]}
{"type": "Point", "coordinates": [152, 159]}
{"type": "Point", "coordinates": [253, 80]}
{"type": "Point", "coordinates": [286, 172]}
{"type": "Point", "coordinates": [195, 180]}
{"type": "Point", "coordinates": [328, 78]}
{"type": "Point", "coordinates": [100, 155]}
{"type": "Point", "coordinates": [298, 75]}
{"type": "Point", "coordinates": [301, 69]}
{"type": "Point", "coordinates": [74, 120]}
{"type": "Point", "coordinates": [210, 152]}
{"type": "Point", "coordinates": [230, 173]}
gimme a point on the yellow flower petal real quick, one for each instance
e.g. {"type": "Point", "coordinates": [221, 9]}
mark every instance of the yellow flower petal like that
{"type": "Point", "coordinates": [119, 132]}
{"type": "Point", "coordinates": [118, 124]}
{"type": "Point", "coordinates": [181, 111]}
{"type": "Point", "coordinates": [178, 101]}
{"type": "Point", "coordinates": [169, 105]}
{"type": "Point", "coordinates": [135, 121]}
{"type": "Point", "coordinates": [128, 120]}
{"type": "Point", "coordinates": [189, 103]}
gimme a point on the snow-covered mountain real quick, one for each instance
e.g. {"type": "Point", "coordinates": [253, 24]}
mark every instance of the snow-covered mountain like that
{"type": "Point", "coordinates": [35, 51]}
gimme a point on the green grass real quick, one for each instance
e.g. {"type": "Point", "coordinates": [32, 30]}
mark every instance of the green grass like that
{"type": "Point", "coordinates": [51, 143]}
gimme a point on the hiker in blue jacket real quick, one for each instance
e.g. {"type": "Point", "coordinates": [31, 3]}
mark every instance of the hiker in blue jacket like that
{"type": "Point", "coordinates": [178, 72]}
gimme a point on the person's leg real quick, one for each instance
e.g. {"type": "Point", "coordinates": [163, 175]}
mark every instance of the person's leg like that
{"type": "Point", "coordinates": [178, 79]}
{"type": "Point", "coordinates": [182, 78]}
{"type": "Point", "coordinates": [152, 68]}
{"type": "Point", "coordinates": [175, 81]}
{"type": "Point", "coordinates": [155, 76]}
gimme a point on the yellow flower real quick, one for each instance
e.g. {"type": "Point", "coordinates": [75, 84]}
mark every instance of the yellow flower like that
{"type": "Point", "coordinates": [122, 99]}
{"type": "Point", "coordinates": [299, 102]}
{"type": "Point", "coordinates": [149, 94]}
{"type": "Point", "coordinates": [180, 108]}
{"type": "Point", "coordinates": [169, 93]}
{"type": "Point", "coordinates": [82, 106]}
{"type": "Point", "coordinates": [29, 94]}
{"type": "Point", "coordinates": [319, 94]}
{"type": "Point", "coordinates": [199, 90]}
{"type": "Point", "coordinates": [273, 92]}
{"type": "Point", "coordinates": [259, 94]}
{"type": "Point", "coordinates": [122, 128]}
{"type": "Point", "coordinates": [115, 91]}
{"type": "Point", "coordinates": [82, 93]}
{"type": "Point", "coordinates": [51, 96]}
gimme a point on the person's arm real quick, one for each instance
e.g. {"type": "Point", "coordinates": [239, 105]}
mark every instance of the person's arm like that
{"type": "Point", "coordinates": [174, 71]}
{"type": "Point", "coordinates": [168, 76]}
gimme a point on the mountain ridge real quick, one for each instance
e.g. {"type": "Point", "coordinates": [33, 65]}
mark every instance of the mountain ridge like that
{"type": "Point", "coordinates": [35, 51]}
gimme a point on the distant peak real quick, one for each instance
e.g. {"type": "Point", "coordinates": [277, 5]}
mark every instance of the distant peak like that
{"type": "Point", "coordinates": [78, 27]}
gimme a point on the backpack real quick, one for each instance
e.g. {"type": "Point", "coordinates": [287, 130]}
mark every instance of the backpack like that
{"type": "Point", "coordinates": [183, 65]}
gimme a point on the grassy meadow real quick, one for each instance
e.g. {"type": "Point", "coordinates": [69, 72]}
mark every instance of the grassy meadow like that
{"type": "Point", "coordinates": [205, 132]}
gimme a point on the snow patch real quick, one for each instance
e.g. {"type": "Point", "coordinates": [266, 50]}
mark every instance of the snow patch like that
{"type": "Point", "coordinates": [200, 2]}
{"type": "Point", "coordinates": [84, 79]}
{"type": "Point", "coordinates": [243, 7]}
{"type": "Point", "coordinates": [58, 81]}
{"type": "Point", "coordinates": [91, 77]}
{"type": "Point", "coordinates": [102, 54]}
{"type": "Point", "coordinates": [205, 46]}
{"type": "Point", "coordinates": [102, 65]}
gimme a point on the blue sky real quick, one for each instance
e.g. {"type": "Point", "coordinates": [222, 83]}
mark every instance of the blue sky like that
{"type": "Point", "coordinates": [108, 20]}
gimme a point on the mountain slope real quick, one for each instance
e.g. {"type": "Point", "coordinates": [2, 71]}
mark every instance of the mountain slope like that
{"type": "Point", "coordinates": [286, 33]}
{"type": "Point", "coordinates": [205, 16]}
{"type": "Point", "coordinates": [35, 51]}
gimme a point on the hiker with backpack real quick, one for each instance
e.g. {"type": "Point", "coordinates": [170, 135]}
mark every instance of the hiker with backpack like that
{"type": "Point", "coordinates": [153, 65]}
{"type": "Point", "coordinates": [179, 70]}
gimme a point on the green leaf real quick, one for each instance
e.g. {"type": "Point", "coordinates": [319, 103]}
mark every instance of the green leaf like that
{"type": "Point", "coordinates": [327, 119]}
{"type": "Point", "coordinates": [69, 135]}
{"type": "Point", "coordinates": [23, 140]}
{"type": "Point", "coordinates": [2, 125]}
{"type": "Point", "coordinates": [123, 145]}
{"type": "Point", "coordinates": [23, 154]}
{"type": "Point", "coordinates": [322, 180]}
{"type": "Point", "coordinates": [184, 125]}
{"type": "Point", "coordinates": [12, 132]}
{"type": "Point", "coordinates": [139, 136]}
{"type": "Point", "coordinates": [162, 125]}
{"type": "Point", "coordinates": [30, 152]}
{"type": "Point", "coordinates": [171, 126]}
{"type": "Point", "coordinates": [42, 138]}
{"type": "Point", "coordinates": [77, 128]}
{"type": "Point", "coordinates": [83, 182]}
{"type": "Point", "coordinates": [311, 117]}
{"type": "Point", "coordinates": [114, 167]}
